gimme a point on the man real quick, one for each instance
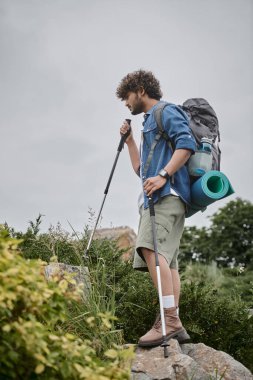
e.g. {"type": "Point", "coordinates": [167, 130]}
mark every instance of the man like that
{"type": "Point", "coordinates": [166, 179]}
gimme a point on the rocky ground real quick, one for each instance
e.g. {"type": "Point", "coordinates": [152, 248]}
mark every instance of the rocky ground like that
{"type": "Point", "coordinates": [187, 362]}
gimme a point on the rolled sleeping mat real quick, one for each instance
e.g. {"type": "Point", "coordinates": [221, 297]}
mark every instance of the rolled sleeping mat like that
{"type": "Point", "coordinates": [209, 188]}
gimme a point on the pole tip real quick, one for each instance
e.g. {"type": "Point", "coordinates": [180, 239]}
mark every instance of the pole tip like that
{"type": "Point", "coordinates": [165, 346]}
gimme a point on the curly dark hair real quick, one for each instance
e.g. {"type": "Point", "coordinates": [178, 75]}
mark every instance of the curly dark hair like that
{"type": "Point", "coordinates": [139, 79]}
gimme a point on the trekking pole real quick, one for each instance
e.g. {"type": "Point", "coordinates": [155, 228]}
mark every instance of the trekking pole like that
{"type": "Point", "coordinates": [165, 343]}
{"type": "Point", "coordinates": [121, 144]}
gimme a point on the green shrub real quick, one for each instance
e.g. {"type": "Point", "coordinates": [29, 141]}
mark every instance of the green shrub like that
{"type": "Point", "coordinates": [67, 247]}
{"type": "Point", "coordinates": [223, 323]}
{"type": "Point", "coordinates": [231, 282]}
{"type": "Point", "coordinates": [116, 287]}
{"type": "Point", "coordinates": [33, 313]}
{"type": "Point", "coordinates": [239, 281]}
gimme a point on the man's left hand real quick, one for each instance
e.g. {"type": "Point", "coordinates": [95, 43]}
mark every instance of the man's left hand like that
{"type": "Point", "coordinates": [153, 183]}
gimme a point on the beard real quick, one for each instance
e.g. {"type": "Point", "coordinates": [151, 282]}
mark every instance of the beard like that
{"type": "Point", "coordinates": [137, 107]}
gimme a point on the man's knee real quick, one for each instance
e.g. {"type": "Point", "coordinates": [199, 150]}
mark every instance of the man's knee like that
{"type": "Point", "coordinates": [147, 254]}
{"type": "Point", "coordinates": [149, 257]}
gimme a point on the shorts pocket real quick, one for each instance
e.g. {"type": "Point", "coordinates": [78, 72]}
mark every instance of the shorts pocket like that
{"type": "Point", "coordinates": [165, 219]}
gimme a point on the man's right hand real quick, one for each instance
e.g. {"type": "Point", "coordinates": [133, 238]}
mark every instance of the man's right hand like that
{"type": "Point", "coordinates": [132, 147]}
{"type": "Point", "coordinates": [124, 129]}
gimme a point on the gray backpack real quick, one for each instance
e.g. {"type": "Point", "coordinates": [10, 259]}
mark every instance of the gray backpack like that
{"type": "Point", "coordinates": [203, 123]}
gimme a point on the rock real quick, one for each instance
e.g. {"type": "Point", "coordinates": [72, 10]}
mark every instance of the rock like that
{"type": "Point", "coordinates": [125, 236]}
{"type": "Point", "coordinates": [210, 359]}
{"type": "Point", "coordinates": [190, 361]}
{"type": "Point", "coordinates": [80, 274]}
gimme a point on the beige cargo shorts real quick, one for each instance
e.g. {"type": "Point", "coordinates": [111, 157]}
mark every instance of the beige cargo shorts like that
{"type": "Point", "coordinates": [169, 220]}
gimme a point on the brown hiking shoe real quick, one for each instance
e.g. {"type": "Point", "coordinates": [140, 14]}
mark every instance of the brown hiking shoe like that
{"type": "Point", "coordinates": [173, 329]}
{"type": "Point", "coordinates": [183, 337]}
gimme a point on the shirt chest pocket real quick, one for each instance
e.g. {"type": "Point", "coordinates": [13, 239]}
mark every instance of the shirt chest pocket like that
{"type": "Point", "coordinates": [149, 134]}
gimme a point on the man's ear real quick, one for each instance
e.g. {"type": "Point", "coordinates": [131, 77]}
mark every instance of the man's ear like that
{"type": "Point", "coordinates": [141, 91]}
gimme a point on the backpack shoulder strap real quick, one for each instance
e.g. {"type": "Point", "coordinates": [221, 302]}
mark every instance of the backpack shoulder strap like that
{"type": "Point", "coordinates": [150, 155]}
{"type": "Point", "coordinates": [161, 133]}
{"type": "Point", "coordinates": [158, 114]}
{"type": "Point", "coordinates": [158, 119]}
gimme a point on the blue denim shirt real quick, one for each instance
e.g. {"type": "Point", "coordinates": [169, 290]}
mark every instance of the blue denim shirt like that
{"type": "Point", "coordinates": [175, 123]}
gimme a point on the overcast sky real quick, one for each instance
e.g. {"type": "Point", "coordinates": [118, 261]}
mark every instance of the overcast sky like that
{"type": "Point", "coordinates": [61, 61]}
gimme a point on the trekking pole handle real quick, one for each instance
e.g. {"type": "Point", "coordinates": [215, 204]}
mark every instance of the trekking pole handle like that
{"type": "Point", "coordinates": [125, 136]}
{"type": "Point", "coordinates": [151, 206]}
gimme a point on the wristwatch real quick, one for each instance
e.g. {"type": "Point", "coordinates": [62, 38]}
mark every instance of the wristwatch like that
{"type": "Point", "coordinates": [164, 174]}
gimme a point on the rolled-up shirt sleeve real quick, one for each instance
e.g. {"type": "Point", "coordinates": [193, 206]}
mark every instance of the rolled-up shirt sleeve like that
{"type": "Point", "coordinates": [176, 125]}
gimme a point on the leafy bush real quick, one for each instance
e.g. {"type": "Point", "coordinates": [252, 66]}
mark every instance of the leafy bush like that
{"type": "Point", "coordinates": [116, 287]}
{"type": "Point", "coordinates": [231, 282]}
{"type": "Point", "coordinates": [223, 323]}
{"type": "Point", "coordinates": [33, 312]}
{"type": "Point", "coordinates": [67, 247]}
{"type": "Point", "coordinates": [239, 281]}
